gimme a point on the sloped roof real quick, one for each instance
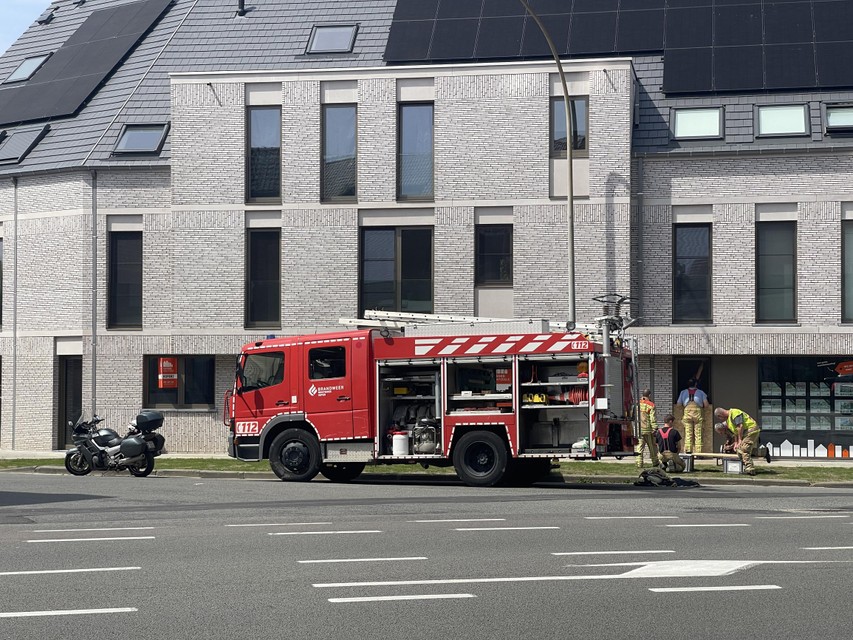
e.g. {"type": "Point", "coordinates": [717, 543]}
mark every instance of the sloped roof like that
{"type": "Point", "coordinates": [191, 36]}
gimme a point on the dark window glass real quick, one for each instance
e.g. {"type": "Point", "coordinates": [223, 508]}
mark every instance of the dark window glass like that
{"type": "Point", "coordinates": [264, 162]}
{"type": "Point", "coordinates": [338, 172]}
{"type": "Point", "coordinates": [125, 280]}
{"type": "Point", "coordinates": [494, 254]}
{"type": "Point", "coordinates": [195, 385]}
{"type": "Point", "coordinates": [558, 126]}
{"type": "Point", "coordinates": [415, 165]}
{"type": "Point", "coordinates": [327, 362]}
{"type": "Point", "coordinates": [776, 257]}
{"type": "Point", "coordinates": [847, 271]}
{"type": "Point", "coordinates": [263, 370]}
{"type": "Point", "coordinates": [263, 277]}
{"type": "Point", "coordinates": [396, 269]}
{"type": "Point", "coordinates": [141, 139]}
{"type": "Point", "coordinates": [691, 276]}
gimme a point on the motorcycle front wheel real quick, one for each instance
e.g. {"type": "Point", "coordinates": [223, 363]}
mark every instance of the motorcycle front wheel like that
{"type": "Point", "coordinates": [76, 463]}
{"type": "Point", "coordinates": [142, 470]}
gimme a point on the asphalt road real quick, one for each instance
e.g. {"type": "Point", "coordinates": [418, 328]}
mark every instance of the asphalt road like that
{"type": "Point", "coordinates": [234, 559]}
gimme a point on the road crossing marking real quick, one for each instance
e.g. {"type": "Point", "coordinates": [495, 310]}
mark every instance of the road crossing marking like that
{"type": "Point", "coordinates": [608, 553]}
{"type": "Point", "coordinates": [430, 596]}
{"type": "Point", "coordinates": [281, 524]}
{"type": "Point", "coordinates": [502, 528]}
{"type": "Point", "coordinates": [317, 533]}
{"type": "Point", "coordinates": [46, 571]}
{"type": "Point", "coordinates": [743, 587]}
{"type": "Point", "coordinates": [463, 520]}
{"type": "Point", "coordinates": [102, 529]}
{"type": "Point", "coordinates": [91, 539]}
{"type": "Point", "coordinates": [362, 560]}
{"type": "Point", "coordinates": [64, 612]}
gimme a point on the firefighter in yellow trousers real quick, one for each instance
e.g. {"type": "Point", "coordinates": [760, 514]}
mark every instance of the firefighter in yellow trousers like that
{"type": "Point", "coordinates": [693, 399]}
{"type": "Point", "coordinates": [745, 431]}
{"type": "Point", "coordinates": [648, 425]}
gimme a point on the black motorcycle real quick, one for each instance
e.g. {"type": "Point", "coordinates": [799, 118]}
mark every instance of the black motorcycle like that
{"type": "Point", "coordinates": [105, 450]}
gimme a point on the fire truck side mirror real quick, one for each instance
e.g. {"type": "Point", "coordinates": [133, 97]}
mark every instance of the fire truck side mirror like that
{"type": "Point", "coordinates": [241, 378]}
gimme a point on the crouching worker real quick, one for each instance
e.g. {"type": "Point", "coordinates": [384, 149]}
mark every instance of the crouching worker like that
{"type": "Point", "coordinates": [745, 431]}
{"type": "Point", "coordinates": [668, 441]}
{"type": "Point", "coordinates": [729, 445]}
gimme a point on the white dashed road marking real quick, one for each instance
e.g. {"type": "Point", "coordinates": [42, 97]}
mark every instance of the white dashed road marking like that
{"type": "Point", "coordinates": [431, 596]}
{"type": "Point", "coordinates": [47, 571]}
{"type": "Point", "coordinates": [64, 612]}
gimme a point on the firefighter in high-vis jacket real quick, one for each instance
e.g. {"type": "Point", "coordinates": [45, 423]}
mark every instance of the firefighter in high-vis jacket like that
{"type": "Point", "coordinates": [745, 431]}
{"type": "Point", "coordinates": [648, 425]}
{"type": "Point", "coordinates": [693, 399]}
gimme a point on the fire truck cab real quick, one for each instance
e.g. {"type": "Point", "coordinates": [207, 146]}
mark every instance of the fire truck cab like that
{"type": "Point", "coordinates": [496, 406]}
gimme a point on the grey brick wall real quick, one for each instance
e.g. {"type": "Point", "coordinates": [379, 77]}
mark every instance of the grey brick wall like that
{"type": "Point", "coordinates": [610, 105]}
{"type": "Point", "coordinates": [134, 189]}
{"type": "Point", "coordinates": [540, 261]}
{"type": "Point", "coordinates": [819, 263]}
{"type": "Point", "coordinates": [453, 242]}
{"type": "Point", "coordinates": [377, 140]}
{"type": "Point", "coordinates": [35, 402]}
{"type": "Point", "coordinates": [301, 141]}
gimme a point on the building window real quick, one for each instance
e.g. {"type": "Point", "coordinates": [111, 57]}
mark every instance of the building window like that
{"type": "Point", "coordinates": [697, 123]}
{"type": "Point", "coordinates": [332, 39]}
{"type": "Point", "coordinates": [580, 126]}
{"type": "Point", "coordinates": [415, 151]}
{"type": "Point", "coordinates": [396, 269]}
{"type": "Point", "coordinates": [141, 138]}
{"type": "Point", "coordinates": [785, 120]}
{"type": "Point", "coordinates": [193, 388]}
{"type": "Point", "coordinates": [327, 362]}
{"type": "Point", "coordinates": [839, 119]}
{"type": "Point", "coordinates": [264, 154]}
{"type": "Point", "coordinates": [691, 273]}
{"type": "Point", "coordinates": [263, 277]}
{"type": "Point", "coordinates": [847, 271]}
{"type": "Point", "coordinates": [27, 68]}
{"type": "Point", "coordinates": [776, 268]}
{"type": "Point", "coordinates": [493, 252]}
{"type": "Point", "coordinates": [339, 168]}
{"type": "Point", "coordinates": [125, 280]}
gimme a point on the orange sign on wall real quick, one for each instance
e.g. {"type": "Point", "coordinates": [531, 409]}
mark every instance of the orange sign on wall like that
{"type": "Point", "coordinates": [167, 373]}
{"type": "Point", "coordinates": [844, 368]}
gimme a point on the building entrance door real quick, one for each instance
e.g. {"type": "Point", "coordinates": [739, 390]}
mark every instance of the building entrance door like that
{"type": "Point", "coordinates": [70, 397]}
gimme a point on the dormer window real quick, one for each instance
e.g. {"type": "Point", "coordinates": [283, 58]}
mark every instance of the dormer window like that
{"type": "Point", "coordinates": [141, 138]}
{"type": "Point", "coordinates": [332, 39]}
{"type": "Point", "coordinates": [27, 68]}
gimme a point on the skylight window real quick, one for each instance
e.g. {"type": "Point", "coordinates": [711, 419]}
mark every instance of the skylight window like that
{"type": "Point", "coordinates": [27, 68]}
{"type": "Point", "coordinates": [16, 147]}
{"type": "Point", "coordinates": [141, 138]}
{"type": "Point", "coordinates": [332, 39]}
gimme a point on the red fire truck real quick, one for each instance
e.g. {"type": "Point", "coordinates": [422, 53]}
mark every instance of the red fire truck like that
{"type": "Point", "coordinates": [497, 406]}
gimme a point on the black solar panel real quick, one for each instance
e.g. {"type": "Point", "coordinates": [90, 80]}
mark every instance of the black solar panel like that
{"type": "Point", "coordinates": [832, 20]}
{"type": "Point", "coordinates": [738, 68]}
{"type": "Point", "coordinates": [789, 66]}
{"type": "Point", "coordinates": [833, 64]}
{"type": "Point", "coordinates": [460, 8]}
{"type": "Point", "coordinates": [420, 10]}
{"type": "Point", "coordinates": [18, 144]}
{"type": "Point", "coordinates": [737, 25]}
{"type": "Point", "coordinates": [593, 33]}
{"type": "Point", "coordinates": [409, 41]}
{"type": "Point", "coordinates": [687, 70]}
{"type": "Point", "coordinates": [688, 28]}
{"type": "Point", "coordinates": [500, 8]}
{"type": "Point", "coordinates": [499, 37]}
{"type": "Point", "coordinates": [75, 71]}
{"type": "Point", "coordinates": [454, 39]}
{"type": "Point", "coordinates": [640, 31]}
{"type": "Point", "coordinates": [788, 23]}
{"type": "Point", "coordinates": [557, 26]}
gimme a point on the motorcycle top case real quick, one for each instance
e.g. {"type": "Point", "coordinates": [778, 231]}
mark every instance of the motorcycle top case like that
{"type": "Point", "coordinates": [148, 420]}
{"type": "Point", "coordinates": [106, 438]}
{"type": "Point", "coordinates": [133, 446]}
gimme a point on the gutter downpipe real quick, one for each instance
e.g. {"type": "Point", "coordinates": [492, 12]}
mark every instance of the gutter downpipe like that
{"type": "Point", "coordinates": [15, 311]}
{"type": "Point", "coordinates": [94, 360]}
{"type": "Point", "coordinates": [570, 324]}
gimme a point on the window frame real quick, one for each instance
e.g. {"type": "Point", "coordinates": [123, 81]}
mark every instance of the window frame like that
{"type": "Point", "coordinates": [148, 359]}
{"type": "Point", "coordinates": [398, 266]}
{"type": "Point", "coordinates": [10, 79]}
{"type": "Point", "coordinates": [759, 289]}
{"type": "Point", "coordinates": [111, 282]}
{"type": "Point", "coordinates": [314, 355]}
{"type": "Point", "coordinates": [479, 279]}
{"type": "Point", "coordinates": [139, 151]}
{"type": "Point", "coordinates": [710, 280]}
{"type": "Point", "coordinates": [248, 322]}
{"type": "Point", "coordinates": [840, 130]}
{"type": "Point", "coordinates": [323, 108]}
{"type": "Point", "coordinates": [845, 255]}
{"type": "Point", "coordinates": [582, 152]}
{"type": "Point", "coordinates": [400, 196]}
{"type": "Point", "coordinates": [309, 48]}
{"type": "Point", "coordinates": [248, 152]}
{"type": "Point", "coordinates": [721, 123]}
{"type": "Point", "coordinates": [785, 134]}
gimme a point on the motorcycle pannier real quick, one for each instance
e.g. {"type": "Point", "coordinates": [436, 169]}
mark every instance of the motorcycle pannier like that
{"type": "Point", "coordinates": [132, 447]}
{"type": "Point", "coordinates": [148, 420]}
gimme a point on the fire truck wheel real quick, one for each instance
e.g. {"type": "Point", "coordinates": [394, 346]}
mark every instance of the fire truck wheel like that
{"type": "Point", "coordinates": [480, 458]}
{"type": "Point", "coordinates": [342, 472]}
{"type": "Point", "coordinates": [295, 455]}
